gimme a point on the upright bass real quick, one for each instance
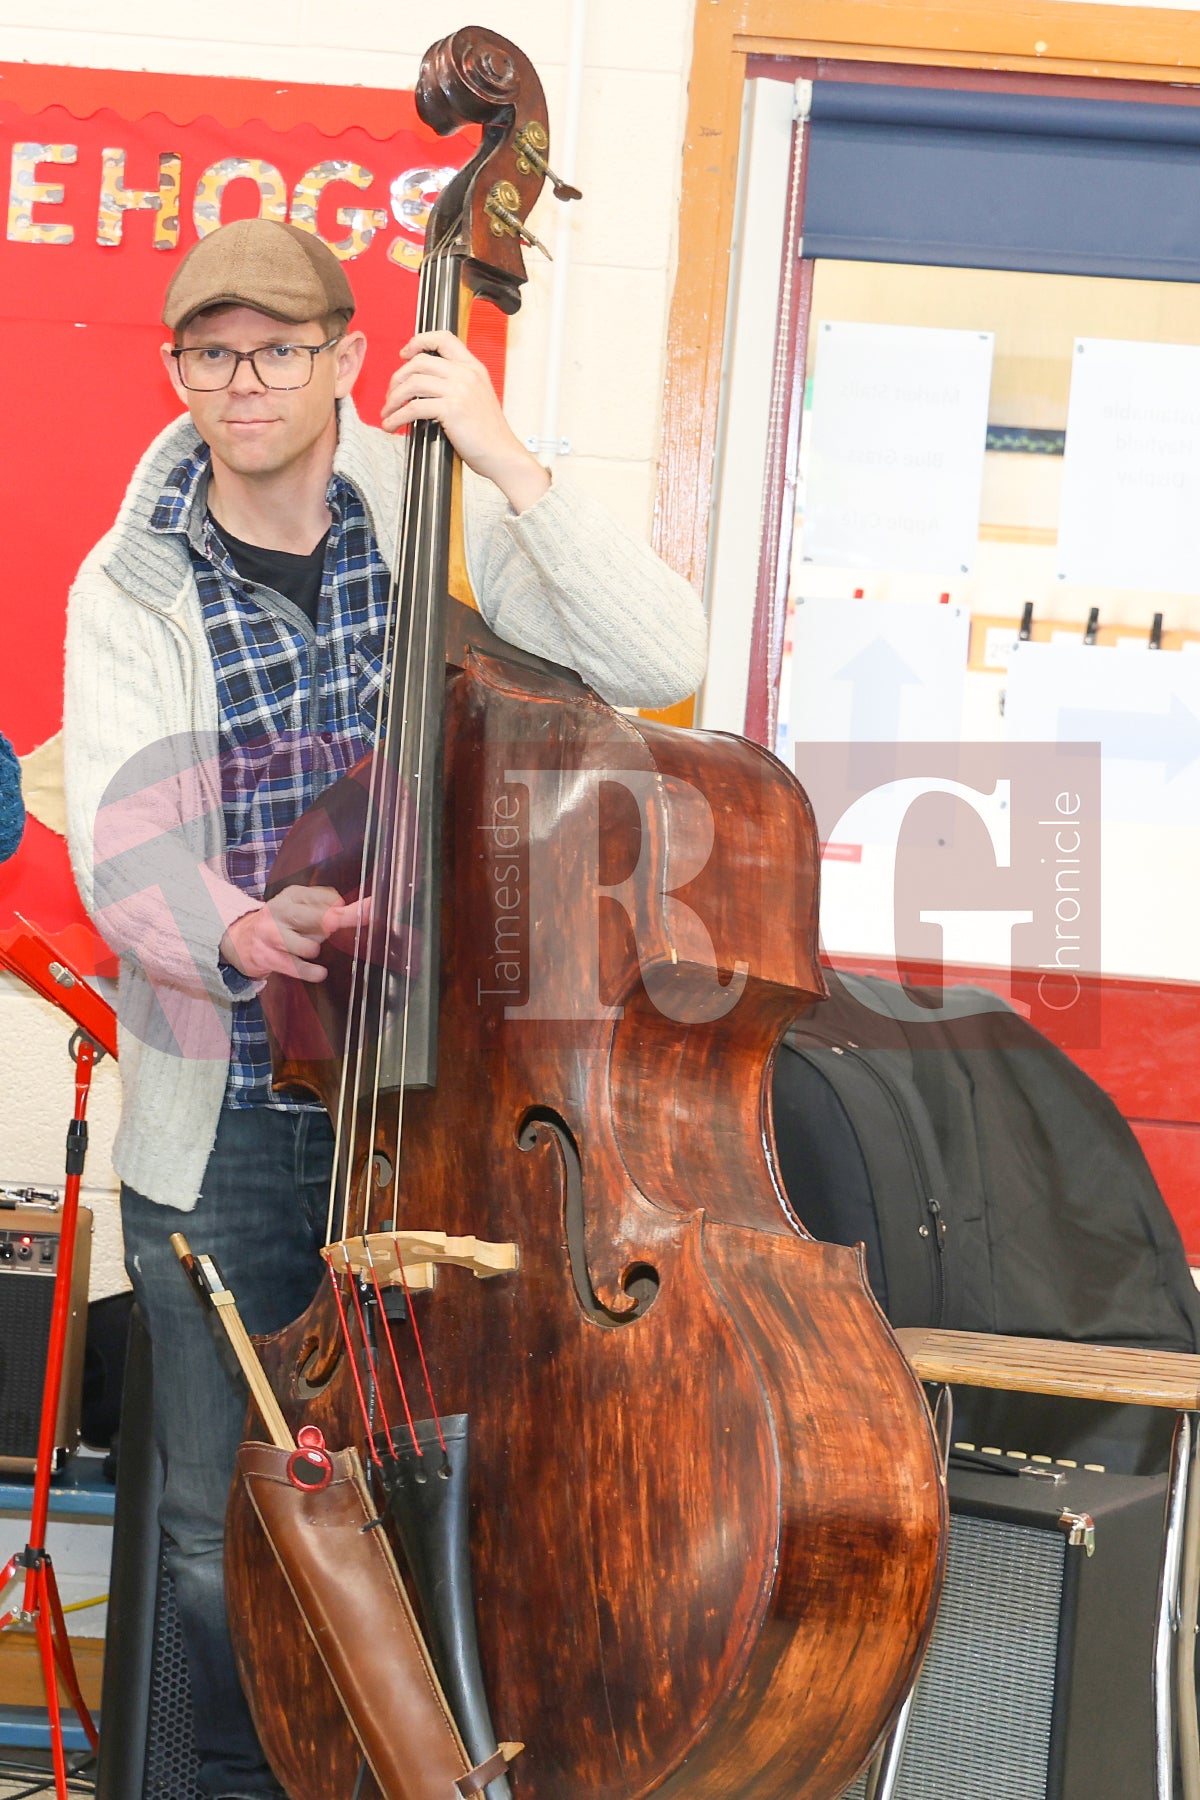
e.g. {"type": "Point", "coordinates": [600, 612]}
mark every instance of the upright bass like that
{"type": "Point", "coordinates": [702, 1497]}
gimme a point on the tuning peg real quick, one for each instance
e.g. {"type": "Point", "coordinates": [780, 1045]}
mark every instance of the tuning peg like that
{"type": "Point", "coordinates": [499, 207]}
{"type": "Point", "coordinates": [561, 189]}
{"type": "Point", "coordinates": [529, 143]}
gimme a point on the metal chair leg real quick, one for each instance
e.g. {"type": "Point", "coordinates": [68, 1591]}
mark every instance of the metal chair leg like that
{"type": "Point", "coordinates": [1166, 1633]}
{"type": "Point", "coordinates": [1185, 1646]}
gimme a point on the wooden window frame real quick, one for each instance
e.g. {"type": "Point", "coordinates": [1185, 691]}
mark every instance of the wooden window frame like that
{"type": "Point", "coordinates": [1086, 44]}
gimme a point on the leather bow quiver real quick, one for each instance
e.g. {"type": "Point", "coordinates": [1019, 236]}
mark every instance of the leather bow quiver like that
{"type": "Point", "coordinates": [348, 1593]}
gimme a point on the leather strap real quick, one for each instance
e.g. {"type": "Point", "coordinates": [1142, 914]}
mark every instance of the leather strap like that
{"type": "Point", "coordinates": [478, 1777]}
{"type": "Point", "coordinates": [347, 1588]}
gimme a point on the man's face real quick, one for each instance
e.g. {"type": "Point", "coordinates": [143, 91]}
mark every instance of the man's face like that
{"type": "Point", "coordinates": [251, 428]}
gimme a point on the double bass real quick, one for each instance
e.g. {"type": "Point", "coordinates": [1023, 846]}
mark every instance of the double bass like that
{"type": "Point", "coordinates": [703, 1507]}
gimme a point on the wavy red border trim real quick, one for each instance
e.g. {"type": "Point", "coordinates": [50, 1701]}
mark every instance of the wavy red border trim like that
{"type": "Point", "coordinates": [232, 102]}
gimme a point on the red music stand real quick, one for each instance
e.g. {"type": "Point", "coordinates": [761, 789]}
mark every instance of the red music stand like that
{"type": "Point", "coordinates": [28, 953]}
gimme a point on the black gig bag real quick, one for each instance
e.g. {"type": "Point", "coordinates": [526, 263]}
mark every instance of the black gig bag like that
{"type": "Point", "coordinates": [994, 1185]}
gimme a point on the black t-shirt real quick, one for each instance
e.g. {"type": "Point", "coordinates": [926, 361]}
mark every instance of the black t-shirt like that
{"type": "Point", "coordinates": [297, 578]}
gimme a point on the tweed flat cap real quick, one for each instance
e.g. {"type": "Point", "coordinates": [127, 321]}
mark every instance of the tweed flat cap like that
{"type": "Point", "coordinates": [277, 269]}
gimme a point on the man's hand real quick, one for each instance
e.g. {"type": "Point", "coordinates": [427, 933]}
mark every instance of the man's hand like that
{"type": "Point", "coordinates": [284, 935]}
{"type": "Point", "coordinates": [440, 379]}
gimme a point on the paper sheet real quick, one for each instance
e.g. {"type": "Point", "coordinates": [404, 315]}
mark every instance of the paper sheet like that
{"type": "Point", "coordinates": [1130, 514]}
{"type": "Point", "coordinates": [896, 442]}
{"type": "Point", "coordinates": [1142, 708]}
{"type": "Point", "coordinates": [876, 671]}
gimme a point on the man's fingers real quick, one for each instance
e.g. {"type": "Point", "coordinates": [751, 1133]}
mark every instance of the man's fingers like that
{"type": "Point", "coordinates": [284, 937]}
{"type": "Point", "coordinates": [297, 943]}
{"type": "Point", "coordinates": [422, 386]}
{"type": "Point", "coordinates": [423, 364]}
{"type": "Point", "coordinates": [289, 953]}
{"type": "Point", "coordinates": [285, 953]}
{"type": "Point", "coordinates": [442, 343]}
{"type": "Point", "coordinates": [413, 409]}
{"type": "Point", "coordinates": [315, 899]}
{"type": "Point", "coordinates": [302, 971]}
{"type": "Point", "coordinates": [421, 381]}
{"type": "Point", "coordinates": [303, 907]}
{"type": "Point", "coordinates": [445, 397]}
{"type": "Point", "coordinates": [345, 918]}
{"type": "Point", "coordinates": [432, 375]}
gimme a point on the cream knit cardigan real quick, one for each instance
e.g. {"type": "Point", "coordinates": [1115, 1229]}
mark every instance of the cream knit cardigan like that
{"type": "Point", "coordinates": [140, 736]}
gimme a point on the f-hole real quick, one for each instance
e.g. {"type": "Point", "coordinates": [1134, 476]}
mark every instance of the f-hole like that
{"type": "Point", "coordinates": [316, 1366]}
{"type": "Point", "coordinates": [640, 1282]}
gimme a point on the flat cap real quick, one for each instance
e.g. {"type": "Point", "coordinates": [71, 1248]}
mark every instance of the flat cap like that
{"type": "Point", "coordinates": [277, 269]}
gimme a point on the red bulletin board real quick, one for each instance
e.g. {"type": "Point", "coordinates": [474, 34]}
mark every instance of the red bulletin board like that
{"type": "Point", "coordinates": [112, 177]}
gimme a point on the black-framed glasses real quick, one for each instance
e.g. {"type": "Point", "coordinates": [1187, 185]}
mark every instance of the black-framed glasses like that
{"type": "Point", "coordinates": [207, 368]}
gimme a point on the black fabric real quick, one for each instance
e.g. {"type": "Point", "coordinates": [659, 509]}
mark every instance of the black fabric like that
{"type": "Point", "coordinates": [1003, 181]}
{"type": "Point", "coordinates": [1009, 1193]}
{"type": "Point", "coordinates": [104, 1369]}
{"type": "Point", "coordinates": [860, 1162]}
{"type": "Point", "coordinates": [821, 1158]}
{"type": "Point", "coordinates": [297, 578]}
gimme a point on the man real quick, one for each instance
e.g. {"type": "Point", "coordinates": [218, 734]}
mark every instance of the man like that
{"type": "Point", "coordinates": [223, 665]}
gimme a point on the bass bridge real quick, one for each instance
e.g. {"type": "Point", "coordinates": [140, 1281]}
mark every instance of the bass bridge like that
{"type": "Point", "coordinates": [410, 1259]}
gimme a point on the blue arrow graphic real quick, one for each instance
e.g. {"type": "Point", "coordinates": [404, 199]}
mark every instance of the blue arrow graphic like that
{"type": "Point", "coordinates": [878, 677]}
{"type": "Point", "coordinates": [1171, 738]}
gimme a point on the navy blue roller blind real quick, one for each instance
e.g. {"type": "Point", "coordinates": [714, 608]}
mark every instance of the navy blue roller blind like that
{"type": "Point", "coordinates": [1003, 181]}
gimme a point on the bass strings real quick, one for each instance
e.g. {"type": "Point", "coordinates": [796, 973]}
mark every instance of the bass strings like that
{"type": "Point", "coordinates": [433, 311]}
{"type": "Point", "coordinates": [447, 289]}
{"type": "Point", "coordinates": [368, 934]}
{"type": "Point", "coordinates": [393, 770]}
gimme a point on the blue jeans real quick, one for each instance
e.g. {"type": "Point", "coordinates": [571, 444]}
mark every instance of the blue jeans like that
{"type": "Point", "coordinates": [261, 1216]}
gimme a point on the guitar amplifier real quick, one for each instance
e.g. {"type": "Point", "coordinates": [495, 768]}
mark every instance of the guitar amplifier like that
{"type": "Point", "coordinates": [1038, 1682]}
{"type": "Point", "coordinates": [30, 1224]}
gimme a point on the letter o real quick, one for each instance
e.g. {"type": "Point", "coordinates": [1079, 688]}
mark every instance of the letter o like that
{"type": "Point", "coordinates": [210, 190]}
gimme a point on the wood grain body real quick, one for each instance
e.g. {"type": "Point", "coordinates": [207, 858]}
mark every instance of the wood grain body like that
{"type": "Point", "coordinates": [707, 1514]}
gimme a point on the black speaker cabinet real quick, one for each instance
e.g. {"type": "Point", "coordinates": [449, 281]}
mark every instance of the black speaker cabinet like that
{"type": "Point", "coordinates": [29, 1253]}
{"type": "Point", "coordinates": [147, 1750]}
{"type": "Point", "coordinates": [1038, 1682]}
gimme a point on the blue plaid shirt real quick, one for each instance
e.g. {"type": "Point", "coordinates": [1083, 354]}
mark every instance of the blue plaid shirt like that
{"type": "Point", "coordinates": [297, 707]}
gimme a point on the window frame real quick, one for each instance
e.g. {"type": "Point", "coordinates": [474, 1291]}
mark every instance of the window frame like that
{"type": "Point", "coordinates": [1064, 47]}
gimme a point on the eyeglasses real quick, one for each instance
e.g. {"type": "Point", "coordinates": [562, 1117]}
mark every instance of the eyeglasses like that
{"type": "Point", "coordinates": [206, 368]}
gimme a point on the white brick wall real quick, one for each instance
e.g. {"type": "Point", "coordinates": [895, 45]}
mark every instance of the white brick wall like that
{"type": "Point", "coordinates": [630, 130]}
{"type": "Point", "coordinates": [37, 1098]}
